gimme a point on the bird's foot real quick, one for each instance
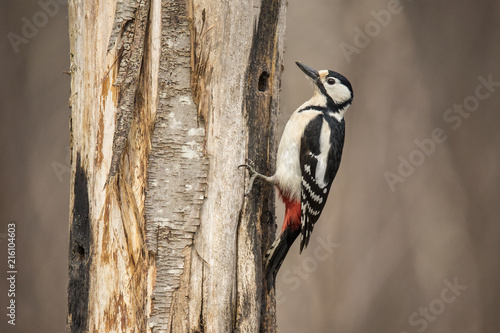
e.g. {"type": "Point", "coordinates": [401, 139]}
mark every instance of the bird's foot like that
{"type": "Point", "coordinates": [253, 175]}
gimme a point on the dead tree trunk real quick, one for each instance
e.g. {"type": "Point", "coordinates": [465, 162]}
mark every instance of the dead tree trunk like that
{"type": "Point", "coordinates": [168, 98]}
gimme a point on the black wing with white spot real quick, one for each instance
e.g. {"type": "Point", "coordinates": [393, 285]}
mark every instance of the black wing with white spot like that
{"type": "Point", "coordinates": [320, 154]}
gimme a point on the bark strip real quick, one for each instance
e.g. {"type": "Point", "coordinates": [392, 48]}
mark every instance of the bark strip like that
{"type": "Point", "coordinates": [177, 169]}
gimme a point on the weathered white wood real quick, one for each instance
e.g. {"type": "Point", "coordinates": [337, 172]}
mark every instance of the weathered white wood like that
{"type": "Point", "coordinates": [110, 273]}
{"type": "Point", "coordinates": [226, 48]}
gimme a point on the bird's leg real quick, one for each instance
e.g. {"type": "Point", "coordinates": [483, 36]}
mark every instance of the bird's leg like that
{"type": "Point", "coordinates": [253, 175]}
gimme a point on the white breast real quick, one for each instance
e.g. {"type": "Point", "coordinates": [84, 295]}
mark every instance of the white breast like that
{"type": "Point", "coordinates": [288, 174]}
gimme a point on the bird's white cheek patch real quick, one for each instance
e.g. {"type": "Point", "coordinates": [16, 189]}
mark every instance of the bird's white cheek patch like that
{"type": "Point", "coordinates": [339, 93]}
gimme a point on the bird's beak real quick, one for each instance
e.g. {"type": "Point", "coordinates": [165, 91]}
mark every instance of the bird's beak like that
{"type": "Point", "coordinates": [313, 74]}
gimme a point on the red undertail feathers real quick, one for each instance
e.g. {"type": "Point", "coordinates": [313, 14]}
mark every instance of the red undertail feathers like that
{"type": "Point", "coordinates": [292, 214]}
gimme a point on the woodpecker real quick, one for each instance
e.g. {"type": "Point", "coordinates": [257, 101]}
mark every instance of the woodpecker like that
{"type": "Point", "coordinates": [308, 158]}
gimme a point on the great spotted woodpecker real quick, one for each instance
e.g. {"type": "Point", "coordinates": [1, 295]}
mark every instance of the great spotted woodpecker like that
{"type": "Point", "coordinates": [309, 156]}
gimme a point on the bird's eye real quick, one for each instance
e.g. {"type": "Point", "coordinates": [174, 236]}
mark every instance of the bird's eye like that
{"type": "Point", "coordinates": [330, 81]}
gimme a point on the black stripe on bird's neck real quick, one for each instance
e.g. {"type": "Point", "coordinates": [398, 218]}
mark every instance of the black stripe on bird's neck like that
{"type": "Point", "coordinates": [315, 108]}
{"type": "Point", "coordinates": [324, 109]}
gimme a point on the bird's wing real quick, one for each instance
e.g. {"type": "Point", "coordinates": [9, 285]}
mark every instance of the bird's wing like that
{"type": "Point", "coordinates": [319, 159]}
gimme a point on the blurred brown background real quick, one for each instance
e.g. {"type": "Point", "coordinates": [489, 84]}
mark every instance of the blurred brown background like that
{"type": "Point", "coordinates": [409, 239]}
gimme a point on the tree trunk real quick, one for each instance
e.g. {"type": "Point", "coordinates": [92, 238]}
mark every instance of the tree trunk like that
{"type": "Point", "coordinates": [168, 98]}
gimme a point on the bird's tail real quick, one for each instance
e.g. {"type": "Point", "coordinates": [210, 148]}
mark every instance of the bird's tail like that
{"type": "Point", "coordinates": [278, 250]}
{"type": "Point", "coordinates": [277, 253]}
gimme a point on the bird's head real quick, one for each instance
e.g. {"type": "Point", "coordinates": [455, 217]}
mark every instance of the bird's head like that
{"type": "Point", "coordinates": [331, 88]}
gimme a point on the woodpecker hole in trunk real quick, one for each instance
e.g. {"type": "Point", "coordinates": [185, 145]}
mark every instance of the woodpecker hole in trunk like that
{"type": "Point", "coordinates": [263, 81]}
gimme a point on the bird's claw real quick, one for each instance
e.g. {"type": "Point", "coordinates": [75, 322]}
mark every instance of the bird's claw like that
{"type": "Point", "coordinates": [248, 165]}
{"type": "Point", "coordinates": [253, 174]}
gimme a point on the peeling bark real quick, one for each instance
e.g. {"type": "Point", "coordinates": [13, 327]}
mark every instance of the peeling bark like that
{"type": "Point", "coordinates": [167, 101]}
{"type": "Point", "coordinates": [129, 27]}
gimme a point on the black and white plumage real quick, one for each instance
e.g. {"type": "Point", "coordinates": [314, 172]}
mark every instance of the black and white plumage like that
{"type": "Point", "coordinates": [319, 161]}
{"type": "Point", "coordinates": [308, 158]}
